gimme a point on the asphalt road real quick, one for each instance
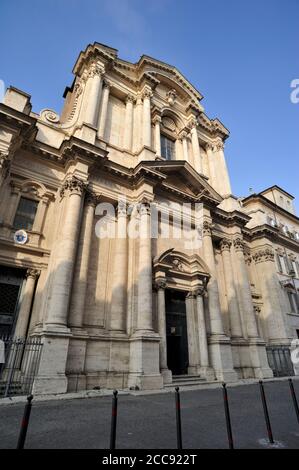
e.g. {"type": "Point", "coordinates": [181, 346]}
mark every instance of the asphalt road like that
{"type": "Point", "coordinates": [148, 421]}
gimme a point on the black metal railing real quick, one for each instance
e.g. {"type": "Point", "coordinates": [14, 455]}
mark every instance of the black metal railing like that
{"type": "Point", "coordinates": [279, 358]}
{"type": "Point", "coordinates": [17, 373]}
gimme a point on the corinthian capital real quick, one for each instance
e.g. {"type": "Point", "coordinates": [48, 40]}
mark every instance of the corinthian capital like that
{"type": "Point", "coordinates": [34, 273]}
{"type": "Point", "coordinates": [219, 145]}
{"type": "Point", "coordinates": [238, 244]}
{"type": "Point", "coordinates": [73, 185]}
{"type": "Point", "coordinates": [147, 93]}
{"type": "Point", "coordinates": [264, 255]}
{"type": "Point", "coordinates": [130, 98]}
{"type": "Point", "coordinates": [193, 123]}
{"type": "Point", "coordinates": [95, 68]}
{"type": "Point", "coordinates": [206, 228]}
{"type": "Point", "coordinates": [225, 244]}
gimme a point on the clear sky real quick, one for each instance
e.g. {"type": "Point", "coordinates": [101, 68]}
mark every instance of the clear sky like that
{"type": "Point", "coordinates": [240, 54]}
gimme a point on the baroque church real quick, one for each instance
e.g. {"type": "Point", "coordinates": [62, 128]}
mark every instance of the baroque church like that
{"type": "Point", "coordinates": [139, 312]}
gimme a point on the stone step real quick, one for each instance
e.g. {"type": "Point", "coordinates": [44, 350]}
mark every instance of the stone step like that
{"type": "Point", "coordinates": [186, 381]}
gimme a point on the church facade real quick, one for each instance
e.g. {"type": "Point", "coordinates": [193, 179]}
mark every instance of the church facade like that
{"type": "Point", "coordinates": [132, 148]}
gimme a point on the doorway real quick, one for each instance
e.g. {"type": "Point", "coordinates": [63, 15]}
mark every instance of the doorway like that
{"type": "Point", "coordinates": [176, 332]}
{"type": "Point", "coordinates": [11, 281]}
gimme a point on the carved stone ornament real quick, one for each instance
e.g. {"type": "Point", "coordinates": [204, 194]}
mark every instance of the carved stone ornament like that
{"type": "Point", "coordinates": [219, 145]}
{"type": "Point", "coordinates": [147, 93]}
{"type": "Point", "coordinates": [92, 198]}
{"type": "Point", "coordinates": [168, 123]}
{"type": "Point", "coordinates": [264, 255]}
{"type": "Point", "coordinates": [206, 228]}
{"type": "Point", "coordinates": [199, 291]}
{"type": "Point", "coordinates": [225, 244]}
{"type": "Point", "coordinates": [5, 164]}
{"type": "Point", "coordinates": [238, 244]}
{"type": "Point", "coordinates": [160, 283]}
{"type": "Point", "coordinates": [171, 96]}
{"type": "Point", "coordinates": [130, 98]}
{"type": "Point", "coordinates": [73, 185]}
{"type": "Point", "coordinates": [32, 273]}
{"type": "Point", "coordinates": [95, 68]}
{"type": "Point", "coordinates": [49, 115]}
{"type": "Point", "coordinates": [178, 265]}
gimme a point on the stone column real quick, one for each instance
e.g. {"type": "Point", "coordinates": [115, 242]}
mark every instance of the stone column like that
{"type": "Point", "coordinates": [166, 373]}
{"type": "Point", "coordinates": [195, 146]}
{"type": "Point", "coordinates": [213, 292]}
{"type": "Point", "coordinates": [234, 314]}
{"type": "Point", "coordinates": [77, 305]}
{"type": "Point", "coordinates": [157, 122]}
{"type": "Point", "coordinates": [128, 134]}
{"type": "Point", "coordinates": [120, 273]}
{"type": "Point", "coordinates": [212, 166]}
{"type": "Point", "coordinates": [224, 187]}
{"type": "Point", "coordinates": [104, 109]}
{"type": "Point", "coordinates": [185, 145]}
{"type": "Point", "coordinates": [192, 338]}
{"type": "Point", "coordinates": [147, 126]}
{"type": "Point", "coordinates": [91, 99]}
{"type": "Point", "coordinates": [220, 347]}
{"type": "Point", "coordinates": [270, 288]}
{"type": "Point", "coordinates": [145, 321]}
{"type": "Point", "coordinates": [257, 351]}
{"type": "Point", "coordinates": [58, 303]}
{"type": "Point", "coordinates": [27, 300]}
{"type": "Point", "coordinates": [245, 290]}
{"type": "Point", "coordinates": [5, 164]}
{"type": "Point", "coordinates": [205, 369]}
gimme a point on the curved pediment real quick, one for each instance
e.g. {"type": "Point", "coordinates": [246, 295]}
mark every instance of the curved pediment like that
{"type": "Point", "coordinates": [181, 263]}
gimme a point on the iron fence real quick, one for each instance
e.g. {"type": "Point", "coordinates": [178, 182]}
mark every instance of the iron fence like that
{"type": "Point", "coordinates": [17, 373]}
{"type": "Point", "coordinates": [279, 358]}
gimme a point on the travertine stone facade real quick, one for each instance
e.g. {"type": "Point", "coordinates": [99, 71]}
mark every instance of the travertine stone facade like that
{"type": "Point", "coordinates": [104, 306]}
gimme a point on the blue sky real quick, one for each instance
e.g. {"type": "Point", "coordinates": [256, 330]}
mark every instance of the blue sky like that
{"type": "Point", "coordinates": [241, 55]}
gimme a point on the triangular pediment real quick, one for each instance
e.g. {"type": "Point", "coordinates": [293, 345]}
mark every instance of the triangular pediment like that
{"type": "Point", "coordinates": [180, 177]}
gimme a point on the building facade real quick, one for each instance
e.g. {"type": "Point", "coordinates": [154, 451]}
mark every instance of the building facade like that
{"type": "Point", "coordinates": [138, 311]}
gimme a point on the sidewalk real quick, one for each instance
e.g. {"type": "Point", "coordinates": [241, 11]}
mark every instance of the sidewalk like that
{"type": "Point", "coordinates": [108, 392]}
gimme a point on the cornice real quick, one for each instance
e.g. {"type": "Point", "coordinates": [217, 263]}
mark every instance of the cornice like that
{"type": "Point", "coordinates": [268, 203]}
{"type": "Point", "coordinates": [17, 120]}
{"type": "Point", "coordinates": [273, 234]}
{"type": "Point", "coordinates": [231, 218]}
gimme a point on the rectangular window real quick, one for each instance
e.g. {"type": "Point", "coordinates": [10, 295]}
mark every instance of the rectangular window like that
{"type": "Point", "coordinates": [25, 214]}
{"type": "Point", "coordinates": [167, 148]}
{"type": "Point", "coordinates": [283, 264]}
{"type": "Point", "coordinates": [279, 264]}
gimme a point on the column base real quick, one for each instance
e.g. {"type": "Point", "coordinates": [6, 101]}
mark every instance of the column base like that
{"type": "Point", "coordinates": [221, 358]}
{"type": "Point", "coordinates": [259, 360]}
{"type": "Point", "coordinates": [167, 376]}
{"type": "Point", "coordinates": [207, 373]}
{"type": "Point", "coordinates": [51, 377]}
{"type": "Point", "coordinates": [144, 370]}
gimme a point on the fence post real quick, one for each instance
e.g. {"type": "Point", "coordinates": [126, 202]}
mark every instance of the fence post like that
{"type": "Point", "coordinates": [113, 420]}
{"type": "Point", "coordinates": [227, 417]}
{"type": "Point", "coordinates": [178, 418]}
{"type": "Point", "coordinates": [266, 412]}
{"type": "Point", "coordinates": [24, 423]}
{"type": "Point", "coordinates": [293, 393]}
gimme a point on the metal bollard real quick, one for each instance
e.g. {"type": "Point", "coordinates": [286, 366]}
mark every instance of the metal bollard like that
{"type": "Point", "coordinates": [178, 418]}
{"type": "Point", "coordinates": [113, 420]}
{"type": "Point", "coordinates": [266, 413]}
{"type": "Point", "coordinates": [294, 398]}
{"type": "Point", "coordinates": [227, 417]}
{"type": "Point", "coordinates": [24, 423]}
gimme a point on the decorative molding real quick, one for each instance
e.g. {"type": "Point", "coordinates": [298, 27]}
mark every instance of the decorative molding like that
{"type": "Point", "coordinates": [168, 123]}
{"type": "Point", "coordinates": [207, 228]}
{"type": "Point", "coordinates": [238, 244]}
{"type": "Point", "coordinates": [91, 198]}
{"type": "Point", "coordinates": [160, 283]}
{"type": "Point", "coordinates": [34, 273]}
{"type": "Point", "coordinates": [264, 255]}
{"type": "Point", "coordinates": [171, 96]}
{"type": "Point", "coordinates": [49, 115]}
{"type": "Point", "coordinates": [73, 185]}
{"type": "Point", "coordinates": [225, 244]}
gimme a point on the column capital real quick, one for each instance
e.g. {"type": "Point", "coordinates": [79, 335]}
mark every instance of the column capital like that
{"type": "Point", "coordinates": [106, 84]}
{"type": "Point", "coordinates": [73, 185]}
{"type": "Point", "coordinates": [193, 123]}
{"type": "Point", "coordinates": [266, 254]}
{"type": "Point", "coordinates": [218, 145]}
{"type": "Point", "coordinates": [199, 291]}
{"type": "Point", "coordinates": [160, 283]}
{"type": "Point", "coordinates": [95, 68]}
{"type": "Point", "coordinates": [122, 209]}
{"type": "Point", "coordinates": [157, 119]}
{"type": "Point", "coordinates": [209, 146]}
{"type": "Point", "coordinates": [130, 98]}
{"type": "Point", "coordinates": [92, 199]}
{"type": "Point", "coordinates": [225, 244]}
{"type": "Point", "coordinates": [239, 244]}
{"type": "Point", "coordinates": [33, 273]}
{"type": "Point", "coordinates": [207, 228]}
{"type": "Point", "coordinates": [147, 93]}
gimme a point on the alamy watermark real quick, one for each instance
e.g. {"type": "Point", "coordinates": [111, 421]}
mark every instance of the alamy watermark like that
{"type": "Point", "coordinates": [295, 92]}
{"type": "Point", "coordinates": [151, 220]}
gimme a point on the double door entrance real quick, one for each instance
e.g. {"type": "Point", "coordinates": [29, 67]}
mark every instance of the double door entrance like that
{"type": "Point", "coordinates": [176, 332]}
